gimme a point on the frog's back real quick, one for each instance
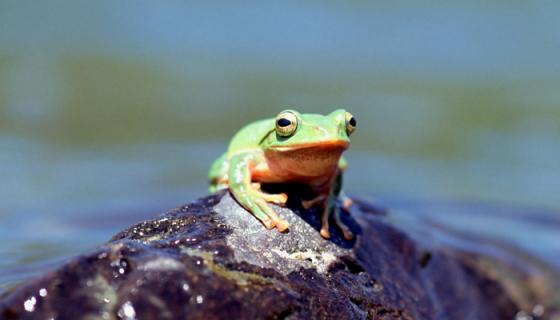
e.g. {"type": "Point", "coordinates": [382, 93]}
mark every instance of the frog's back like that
{"type": "Point", "coordinates": [249, 137]}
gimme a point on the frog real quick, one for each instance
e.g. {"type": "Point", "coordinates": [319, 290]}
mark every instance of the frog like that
{"type": "Point", "coordinates": [290, 148]}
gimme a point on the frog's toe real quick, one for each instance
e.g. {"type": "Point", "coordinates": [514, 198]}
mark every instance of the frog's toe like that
{"type": "Point", "coordinates": [261, 213]}
{"type": "Point", "coordinates": [347, 203]}
{"type": "Point", "coordinates": [348, 235]}
{"type": "Point", "coordinates": [269, 224]}
{"type": "Point", "coordinates": [279, 199]}
{"type": "Point", "coordinates": [282, 225]}
{"type": "Point", "coordinates": [283, 198]}
{"type": "Point", "coordinates": [307, 204]}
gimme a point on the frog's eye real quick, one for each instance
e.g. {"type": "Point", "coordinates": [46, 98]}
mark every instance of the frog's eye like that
{"type": "Point", "coordinates": [286, 123]}
{"type": "Point", "coordinates": [350, 123]}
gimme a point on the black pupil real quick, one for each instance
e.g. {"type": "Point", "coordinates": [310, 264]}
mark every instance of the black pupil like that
{"type": "Point", "coordinates": [283, 122]}
{"type": "Point", "coordinates": [352, 122]}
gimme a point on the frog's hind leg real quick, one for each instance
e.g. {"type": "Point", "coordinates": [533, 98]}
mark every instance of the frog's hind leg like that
{"type": "Point", "coordinates": [217, 186]}
{"type": "Point", "coordinates": [346, 201]}
{"type": "Point", "coordinates": [218, 174]}
{"type": "Point", "coordinates": [332, 205]}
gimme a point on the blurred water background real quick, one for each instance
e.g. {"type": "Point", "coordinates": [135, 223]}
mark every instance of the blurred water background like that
{"type": "Point", "coordinates": [112, 111]}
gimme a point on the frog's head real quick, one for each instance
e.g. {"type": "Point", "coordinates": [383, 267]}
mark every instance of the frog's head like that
{"type": "Point", "coordinates": [308, 144]}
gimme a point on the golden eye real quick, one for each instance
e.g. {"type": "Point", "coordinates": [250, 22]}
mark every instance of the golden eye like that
{"type": "Point", "coordinates": [350, 123]}
{"type": "Point", "coordinates": [286, 123]}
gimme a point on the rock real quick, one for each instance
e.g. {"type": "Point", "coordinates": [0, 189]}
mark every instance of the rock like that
{"type": "Point", "coordinates": [212, 260]}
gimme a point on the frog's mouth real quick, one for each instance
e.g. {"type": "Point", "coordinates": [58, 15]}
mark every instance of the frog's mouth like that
{"type": "Point", "coordinates": [326, 145]}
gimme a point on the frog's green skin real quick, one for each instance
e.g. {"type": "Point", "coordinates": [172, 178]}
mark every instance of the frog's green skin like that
{"type": "Point", "coordinates": [312, 155]}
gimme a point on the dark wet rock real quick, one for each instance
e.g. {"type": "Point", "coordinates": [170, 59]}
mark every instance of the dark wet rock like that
{"type": "Point", "coordinates": [212, 260]}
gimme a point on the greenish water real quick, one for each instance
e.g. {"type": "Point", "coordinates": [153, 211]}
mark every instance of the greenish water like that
{"type": "Point", "coordinates": [110, 113]}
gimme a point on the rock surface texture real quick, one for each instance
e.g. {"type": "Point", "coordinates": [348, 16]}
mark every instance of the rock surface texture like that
{"type": "Point", "coordinates": [212, 260]}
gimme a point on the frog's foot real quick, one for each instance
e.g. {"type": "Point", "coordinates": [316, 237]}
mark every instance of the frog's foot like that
{"type": "Point", "coordinates": [348, 235]}
{"type": "Point", "coordinates": [273, 218]}
{"type": "Point", "coordinates": [256, 202]}
{"type": "Point", "coordinates": [332, 207]}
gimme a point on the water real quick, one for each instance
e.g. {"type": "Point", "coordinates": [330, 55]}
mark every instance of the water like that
{"type": "Point", "coordinates": [112, 113]}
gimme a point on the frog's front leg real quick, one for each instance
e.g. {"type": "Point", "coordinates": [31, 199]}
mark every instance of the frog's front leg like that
{"type": "Point", "coordinates": [248, 194]}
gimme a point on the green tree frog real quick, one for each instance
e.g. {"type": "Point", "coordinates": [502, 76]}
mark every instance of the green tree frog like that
{"type": "Point", "coordinates": [293, 147]}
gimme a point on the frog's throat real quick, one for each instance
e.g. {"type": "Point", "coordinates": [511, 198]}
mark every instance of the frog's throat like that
{"type": "Point", "coordinates": [327, 144]}
{"type": "Point", "coordinates": [299, 162]}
